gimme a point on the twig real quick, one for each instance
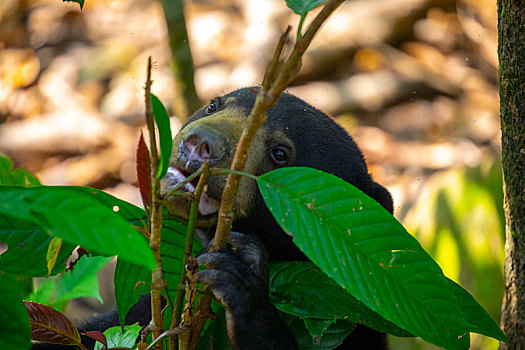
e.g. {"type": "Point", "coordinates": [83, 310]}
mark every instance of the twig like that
{"type": "Point", "coordinates": [188, 246]}
{"type": "Point", "coordinates": [154, 218]}
{"type": "Point", "coordinates": [192, 268]}
{"type": "Point", "coordinates": [266, 98]}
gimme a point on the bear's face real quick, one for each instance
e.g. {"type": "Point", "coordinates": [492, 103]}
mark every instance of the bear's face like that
{"type": "Point", "coordinates": [294, 134]}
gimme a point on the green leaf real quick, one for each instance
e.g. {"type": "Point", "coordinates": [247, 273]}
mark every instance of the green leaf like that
{"type": "Point", "coordinates": [300, 288]}
{"type": "Point", "coordinates": [302, 7]}
{"type": "Point", "coordinates": [80, 2]}
{"type": "Point", "coordinates": [332, 337]}
{"type": "Point", "coordinates": [15, 331]}
{"type": "Point", "coordinates": [132, 280]}
{"type": "Point", "coordinates": [29, 243]}
{"type": "Point", "coordinates": [81, 281]}
{"type": "Point", "coordinates": [77, 216]}
{"type": "Point", "coordinates": [43, 292]}
{"type": "Point", "coordinates": [165, 140]}
{"type": "Point", "coordinates": [367, 251]}
{"type": "Point", "coordinates": [478, 320]}
{"type": "Point", "coordinates": [15, 177]}
{"type": "Point", "coordinates": [28, 246]}
{"type": "Point", "coordinates": [317, 327]}
{"type": "Point", "coordinates": [118, 338]}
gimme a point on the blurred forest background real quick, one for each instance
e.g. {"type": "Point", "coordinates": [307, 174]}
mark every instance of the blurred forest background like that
{"type": "Point", "coordinates": [413, 81]}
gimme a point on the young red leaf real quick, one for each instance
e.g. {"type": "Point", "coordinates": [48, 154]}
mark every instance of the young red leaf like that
{"type": "Point", "coordinates": [50, 326]}
{"type": "Point", "coordinates": [98, 336]}
{"type": "Point", "coordinates": [144, 172]}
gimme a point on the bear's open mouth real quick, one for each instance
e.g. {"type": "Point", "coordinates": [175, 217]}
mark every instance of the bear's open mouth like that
{"type": "Point", "coordinates": [174, 176]}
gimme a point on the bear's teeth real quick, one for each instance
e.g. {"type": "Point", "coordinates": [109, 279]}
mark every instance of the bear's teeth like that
{"type": "Point", "coordinates": [208, 205]}
{"type": "Point", "coordinates": [173, 178]}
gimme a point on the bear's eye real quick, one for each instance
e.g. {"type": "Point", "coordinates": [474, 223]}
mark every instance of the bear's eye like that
{"type": "Point", "coordinates": [212, 107]}
{"type": "Point", "coordinates": [279, 155]}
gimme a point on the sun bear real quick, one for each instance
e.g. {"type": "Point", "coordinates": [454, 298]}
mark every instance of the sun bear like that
{"type": "Point", "coordinates": [294, 134]}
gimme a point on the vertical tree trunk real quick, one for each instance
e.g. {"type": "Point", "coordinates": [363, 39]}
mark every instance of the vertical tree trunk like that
{"type": "Point", "coordinates": [511, 50]}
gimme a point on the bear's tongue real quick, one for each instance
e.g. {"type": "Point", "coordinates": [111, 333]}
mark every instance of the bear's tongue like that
{"type": "Point", "coordinates": [174, 176]}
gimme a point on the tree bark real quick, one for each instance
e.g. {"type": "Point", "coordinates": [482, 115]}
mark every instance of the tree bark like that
{"type": "Point", "coordinates": [511, 50]}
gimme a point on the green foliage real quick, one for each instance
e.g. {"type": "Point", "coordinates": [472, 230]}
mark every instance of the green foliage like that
{"type": "Point", "coordinates": [165, 138]}
{"type": "Point", "coordinates": [364, 249]}
{"type": "Point", "coordinates": [458, 218]}
{"type": "Point", "coordinates": [132, 280]}
{"type": "Point", "coordinates": [15, 177]}
{"type": "Point", "coordinates": [117, 337]}
{"type": "Point", "coordinates": [80, 282]}
{"type": "Point", "coordinates": [318, 334]}
{"type": "Point", "coordinates": [14, 332]}
{"type": "Point", "coordinates": [28, 246]}
{"type": "Point", "coordinates": [301, 289]}
{"type": "Point", "coordinates": [369, 269]}
{"type": "Point", "coordinates": [77, 216]}
{"type": "Point", "coordinates": [302, 7]}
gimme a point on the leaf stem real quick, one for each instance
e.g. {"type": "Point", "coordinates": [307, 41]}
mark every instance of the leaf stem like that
{"type": "Point", "coordinates": [300, 26]}
{"type": "Point", "coordinates": [222, 171]}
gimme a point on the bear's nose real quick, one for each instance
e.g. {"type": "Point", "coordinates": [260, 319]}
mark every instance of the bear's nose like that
{"type": "Point", "coordinates": [198, 146]}
{"type": "Point", "coordinates": [194, 145]}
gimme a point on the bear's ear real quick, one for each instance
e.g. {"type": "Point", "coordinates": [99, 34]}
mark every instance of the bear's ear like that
{"type": "Point", "coordinates": [381, 195]}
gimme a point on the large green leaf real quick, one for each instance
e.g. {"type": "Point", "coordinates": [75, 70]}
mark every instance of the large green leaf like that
{"type": "Point", "coordinates": [28, 242]}
{"type": "Point", "coordinates": [363, 248]}
{"type": "Point", "coordinates": [27, 245]}
{"type": "Point", "coordinates": [300, 288]}
{"type": "Point", "coordinates": [77, 216]}
{"type": "Point", "coordinates": [478, 320]}
{"type": "Point", "coordinates": [165, 140]}
{"type": "Point", "coordinates": [14, 330]}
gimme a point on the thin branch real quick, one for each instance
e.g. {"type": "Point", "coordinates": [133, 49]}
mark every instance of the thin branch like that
{"type": "Point", "coordinates": [154, 217]}
{"type": "Point", "coordinates": [269, 77]}
{"type": "Point", "coordinates": [192, 269]}
{"type": "Point", "coordinates": [267, 97]}
{"type": "Point", "coordinates": [188, 246]}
